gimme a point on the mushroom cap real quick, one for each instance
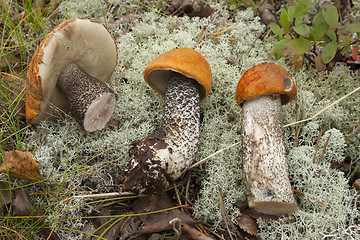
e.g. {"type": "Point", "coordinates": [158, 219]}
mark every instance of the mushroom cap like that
{"type": "Point", "coordinates": [185, 61]}
{"type": "Point", "coordinates": [85, 42]}
{"type": "Point", "coordinates": [265, 79]}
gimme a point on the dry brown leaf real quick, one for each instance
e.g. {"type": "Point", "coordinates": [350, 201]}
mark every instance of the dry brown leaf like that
{"type": "Point", "coordinates": [248, 224]}
{"type": "Point", "coordinates": [20, 164]}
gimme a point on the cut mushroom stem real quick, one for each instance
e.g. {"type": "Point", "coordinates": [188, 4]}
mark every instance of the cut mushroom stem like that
{"type": "Point", "coordinates": [90, 100]}
{"type": "Point", "coordinates": [162, 157]}
{"type": "Point", "coordinates": [261, 91]}
{"type": "Point", "coordinates": [264, 157]}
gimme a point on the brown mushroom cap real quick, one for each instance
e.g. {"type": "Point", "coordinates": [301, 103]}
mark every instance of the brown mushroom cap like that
{"type": "Point", "coordinates": [185, 61]}
{"type": "Point", "coordinates": [85, 42]}
{"type": "Point", "coordinates": [265, 79]}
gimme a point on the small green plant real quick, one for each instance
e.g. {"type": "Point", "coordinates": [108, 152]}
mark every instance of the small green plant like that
{"type": "Point", "coordinates": [323, 43]}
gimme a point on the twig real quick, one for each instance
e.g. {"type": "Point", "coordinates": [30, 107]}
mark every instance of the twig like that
{"type": "Point", "coordinates": [317, 145]}
{"type": "Point", "coordinates": [323, 151]}
{"type": "Point", "coordinates": [101, 195]}
{"type": "Point", "coordinates": [226, 218]}
{"type": "Point", "coordinates": [193, 233]}
{"type": "Point", "coordinates": [323, 110]}
{"type": "Point", "coordinates": [215, 153]}
{"type": "Point", "coordinates": [312, 198]}
{"type": "Point", "coordinates": [132, 19]}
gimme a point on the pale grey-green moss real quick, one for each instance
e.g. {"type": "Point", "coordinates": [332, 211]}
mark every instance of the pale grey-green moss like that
{"type": "Point", "coordinates": [62, 146]}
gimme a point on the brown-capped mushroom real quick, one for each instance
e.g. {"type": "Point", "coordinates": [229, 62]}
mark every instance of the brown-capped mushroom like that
{"type": "Point", "coordinates": [68, 71]}
{"type": "Point", "coordinates": [184, 77]}
{"type": "Point", "coordinates": [261, 91]}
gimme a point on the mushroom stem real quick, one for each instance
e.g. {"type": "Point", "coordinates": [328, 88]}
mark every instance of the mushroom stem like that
{"type": "Point", "coordinates": [91, 101]}
{"type": "Point", "coordinates": [165, 155]}
{"type": "Point", "coordinates": [264, 157]}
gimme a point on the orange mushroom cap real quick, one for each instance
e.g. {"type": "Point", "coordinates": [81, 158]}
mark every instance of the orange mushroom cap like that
{"type": "Point", "coordinates": [185, 61]}
{"type": "Point", "coordinates": [265, 79]}
{"type": "Point", "coordinates": [85, 42]}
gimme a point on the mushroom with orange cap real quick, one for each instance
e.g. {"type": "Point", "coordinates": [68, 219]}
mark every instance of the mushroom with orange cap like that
{"type": "Point", "coordinates": [184, 77]}
{"type": "Point", "coordinates": [261, 91]}
{"type": "Point", "coordinates": [68, 71]}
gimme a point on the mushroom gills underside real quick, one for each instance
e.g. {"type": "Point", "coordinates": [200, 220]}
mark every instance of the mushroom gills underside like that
{"type": "Point", "coordinates": [264, 157]}
{"type": "Point", "coordinates": [90, 101]}
{"type": "Point", "coordinates": [162, 157]}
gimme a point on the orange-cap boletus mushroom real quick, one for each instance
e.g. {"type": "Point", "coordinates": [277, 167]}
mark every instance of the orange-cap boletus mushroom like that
{"type": "Point", "coordinates": [68, 71]}
{"type": "Point", "coordinates": [184, 77]}
{"type": "Point", "coordinates": [261, 91]}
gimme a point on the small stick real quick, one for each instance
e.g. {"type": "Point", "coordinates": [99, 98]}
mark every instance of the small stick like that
{"type": "Point", "coordinates": [215, 153]}
{"type": "Point", "coordinates": [101, 195]}
{"type": "Point", "coordinates": [224, 215]}
{"type": "Point", "coordinates": [193, 233]}
{"type": "Point", "coordinates": [323, 151]}
{"type": "Point", "coordinates": [317, 145]}
{"type": "Point", "coordinates": [323, 110]}
{"type": "Point", "coordinates": [312, 198]}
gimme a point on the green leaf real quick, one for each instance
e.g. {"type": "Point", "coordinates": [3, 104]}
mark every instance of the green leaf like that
{"type": "Point", "coordinates": [291, 13]}
{"type": "Point", "coordinates": [331, 34]}
{"type": "Point", "coordinates": [233, 6]}
{"type": "Point", "coordinates": [284, 20]}
{"type": "Point", "coordinates": [278, 48]}
{"type": "Point", "coordinates": [320, 26]}
{"type": "Point", "coordinates": [276, 29]}
{"type": "Point", "coordinates": [329, 52]}
{"type": "Point", "coordinates": [354, 27]}
{"type": "Point", "coordinates": [299, 20]}
{"type": "Point", "coordinates": [345, 50]}
{"type": "Point", "coordinates": [301, 7]}
{"type": "Point", "coordinates": [330, 14]}
{"type": "Point", "coordinates": [345, 40]}
{"type": "Point", "coordinates": [320, 66]}
{"type": "Point", "coordinates": [302, 29]}
{"type": "Point", "coordinates": [297, 46]}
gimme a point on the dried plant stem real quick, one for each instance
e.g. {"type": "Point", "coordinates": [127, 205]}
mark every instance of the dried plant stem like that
{"type": "Point", "coordinates": [224, 215]}
{"type": "Point", "coordinates": [215, 153]}
{"type": "Point", "coordinates": [323, 110]}
{"type": "Point", "coordinates": [323, 151]}
{"type": "Point", "coordinates": [317, 145]}
{"type": "Point", "coordinates": [101, 195]}
{"type": "Point", "coordinates": [312, 198]}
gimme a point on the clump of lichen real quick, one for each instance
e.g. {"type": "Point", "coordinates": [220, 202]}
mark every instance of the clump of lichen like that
{"type": "Point", "coordinates": [86, 161]}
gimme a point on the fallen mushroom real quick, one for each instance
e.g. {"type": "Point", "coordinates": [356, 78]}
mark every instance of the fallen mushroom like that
{"type": "Point", "coordinates": [68, 71]}
{"type": "Point", "coordinates": [261, 91]}
{"type": "Point", "coordinates": [184, 77]}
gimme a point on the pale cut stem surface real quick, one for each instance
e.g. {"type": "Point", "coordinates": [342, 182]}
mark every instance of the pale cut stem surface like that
{"type": "Point", "coordinates": [264, 157]}
{"type": "Point", "coordinates": [91, 101]}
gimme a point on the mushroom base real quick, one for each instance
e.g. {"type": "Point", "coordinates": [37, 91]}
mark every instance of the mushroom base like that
{"type": "Point", "coordinates": [264, 157]}
{"type": "Point", "coordinates": [162, 157]}
{"type": "Point", "coordinates": [90, 101]}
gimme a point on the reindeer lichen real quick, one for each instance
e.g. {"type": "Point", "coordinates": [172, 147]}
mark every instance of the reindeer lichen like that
{"type": "Point", "coordinates": [92, 160]}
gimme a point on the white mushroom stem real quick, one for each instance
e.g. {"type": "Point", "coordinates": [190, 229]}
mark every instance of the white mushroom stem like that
{"type": "Point", "coordinates": [264, 157]}
{"type": "Point", "coordinates": [162, 157]}
{"type": "Point", "coordinates": [90, 100]}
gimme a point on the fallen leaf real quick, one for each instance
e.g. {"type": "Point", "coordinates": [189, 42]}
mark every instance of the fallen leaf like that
{"type": "Point", "coordinates": [145, 224]}
{"type": "Point", "coordinates": [248, 224]}
{"type": "Point", "coordinates": [20, 164]}
{"type": "Point", "coordinates": [194, 233]}
{"type": "Point", "coordinates": [22, 206]}
{"type": "Point", "coordinates": [5, 194]}
{"type": "Point", "coordinates": [356, 184]}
